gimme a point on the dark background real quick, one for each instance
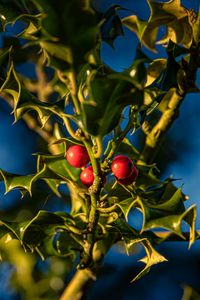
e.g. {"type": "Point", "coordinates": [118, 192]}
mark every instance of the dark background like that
{"type": "Point", "coordinates": [180, 157]}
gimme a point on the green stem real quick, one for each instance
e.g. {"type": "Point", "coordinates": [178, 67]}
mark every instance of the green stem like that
{"type": "Point", "coordinates": [186, 83]}
{"type": "Point", "coordinates": [73, 91]}
{"type": "Point", "coordinates": [94, 161]}
{"type": "Point", "coordinates": [155, 136]}
{"type": "Point", "coordinates": [118, 139]}
{"type": "Point", "coordinates": [93, 214]}
{"type": "Point", "coordinates": [99, 146]}
{"type": "Point", "coordinates": [77, 286]}
{"type": "Point", "coordinates": [107, 209]}
{"type": "Point", "coordinates": [69, 128]}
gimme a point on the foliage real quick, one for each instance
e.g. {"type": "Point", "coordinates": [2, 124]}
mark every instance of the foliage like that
{"type": "Point", "coordinates": [66, 37]}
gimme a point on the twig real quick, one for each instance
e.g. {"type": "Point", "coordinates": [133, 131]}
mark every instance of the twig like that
{"type": "Point", "coordinates": [185, 84]}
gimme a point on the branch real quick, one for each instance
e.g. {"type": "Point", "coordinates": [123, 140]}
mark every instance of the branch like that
{"type": "Point", "coordinates": [186, 83]}
{"type": "Point", "coordinates": [78, 284]}
{"type": "Point", "coordinates": [118, 139]}
{"type": "Point", "coordinates": [155, 136]}
{"type": "Point", "coordinates": [94, 190]}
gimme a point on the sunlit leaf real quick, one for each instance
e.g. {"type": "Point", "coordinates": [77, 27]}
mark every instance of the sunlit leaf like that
{"type": "Point", "coordinates": [59, 166]}
{"type": "Point", "coordinates": [125, 206]}
{"type": "Point", "coordinates": [171, 14]}
{"type": "Point", "coordinates": [28, 102]}
{"type": "Point", "coordinates": [25, 182]}
{"type": "Point", "coordinates": [154, 70]}
{"type": "Point", "coordinates": [12, 86]}
{"type": "Point", "coordinates": [152, 258]}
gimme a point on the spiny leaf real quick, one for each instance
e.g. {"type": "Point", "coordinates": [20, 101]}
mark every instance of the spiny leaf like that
{"type": "Point", "coordinates": [195, 27]}
{"type": "Point", "coordinates": [65, 245]}
{"type": "Point", "coordinates": [154, 70]}
{"type": "Point", "coordinates": [10, 228]}
{"type": "Point", "coordinates": [169, 213]}
{"type": "Point", "coordinates": [146, 178]}
{"type": "Point", "coordinates": [105, 98]}
{"type": "Point", "coordinates": [57, 55]}
{"type": "Point", "coordinates": [59, 166]}
{"type": "Point", "coordinates": [73, 23]}
{"type": "Point", "coordinates": [171, 14]}
{"type": "Point", "coordinates": [45, 223]}
{"type": "Point", "coordinates": [152, 258]}
{"type": "Point", "coordinates": [12, 86]}
{"type": "Point", "coordinates": [168, 78]}
{"type": "Point", "coordinates": [40, 232]}
{"type": "Point", "coordinates": [127, 148]}
{"type": "Point", "coordinates": [111, 26]}
{"type": "Point", "coordinates": [25, 182]}
{"type": "Point", "coordinates": [126, 205]}
{"type": "Point", "coordinates": [135, 24]}
{"type": "Point", "coordinates": [28, 102]}
{"type": "Point", "coordinates": [53, 169]}
{"type": "Point", "coordinates": [11, 12]}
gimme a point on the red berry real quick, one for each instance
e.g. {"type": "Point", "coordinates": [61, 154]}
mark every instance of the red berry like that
{"type": "Point", "coordinates": [130, 179]}
{"type": "Point", "coordinates": [87, 176]}
{"type": "Point", "coordinates": [77, 156]}
{"type": "Point", "coordinates": [122, 166]}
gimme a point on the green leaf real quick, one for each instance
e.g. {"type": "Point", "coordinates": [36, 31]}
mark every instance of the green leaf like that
{"type": "Point", "coordinates": [168, 77]}
{"type": "Point", "coordinates": [127, 148]}
{"type": "Point", "coordinates": [53, 169]}
{"type": "Point", "coordinates": [146, 178]}
{"type": "Point", "coordinates": [28, 102]}
{"type": "Point", "coordinates": [53, 185]}
{"type": "Point", "coordinates": [43, 224]}
{"type": "Point", "coordinates": [58, 56]}
{"type": "Point", "coordinates": [195, 27]}
{"type": "Point", "coordinates": [106, 220]}
{"type": "Point", "coordinates": [65, 245]}
{"type": "Point", "coordinates": [135, 24]}
{"type": "Point", "coordinates": [12, 86]}
{"type": "Point", "coordinates": [41, 234]}
{"type": "Point", "coordinates": [25, 182]}
{"type": "Point", "coordinates": [126, 205]}
{"type": "Point", "coordinates": [24, 101]}
{"type": "Point", "coordinates": [171, 14]}
{"type": "Point", "coordinates": [11, 12]}
{"type": "Point", "coordinates": [9, 229]}
{"type": "Point", "coordinates": [59, 166]}
{"type": "Point", "coordinates": [73, 23]}
{"type": "Point", "coordinates": [168, 213]}
{"type": "Point", "coordinates": [154, 70]}
{"type": "Point", "coordinates": [111, 25]}
{"type": "Point", "coordinates": [104, 101]}
{"type": "Point", "coordinates": [152, 258]}
{"type": "Point", "coordinates": [125, 230]}
{"type": "Point", "coordinates": [66, 142]}
{"type": "Point", "coordinates": [117, 192]}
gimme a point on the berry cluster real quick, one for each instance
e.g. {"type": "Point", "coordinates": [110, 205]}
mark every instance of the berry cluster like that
{"type": "Point", "coordinates": [122, 166]}
{"type": "Point", "coordinates": [124, 170]}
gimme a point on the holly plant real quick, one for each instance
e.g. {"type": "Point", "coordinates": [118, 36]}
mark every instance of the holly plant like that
{"type": "Point", "coordinates": [87, 116]}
